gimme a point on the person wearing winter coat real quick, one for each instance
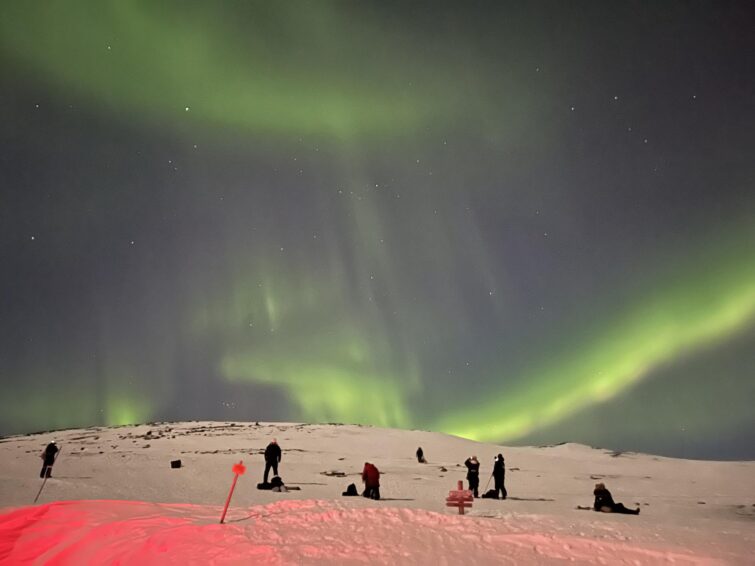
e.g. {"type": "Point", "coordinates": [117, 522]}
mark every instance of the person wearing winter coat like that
{"type": "Point", "coordinates": [48, 459]}
{"type": "Point", "coordinates": [473, 474]}
{"type": "Point", "coordinates": [421, 456]}
{"type": "Point", "coordinates": [272, 458]}
{"type": "Point", "coordinates": [604, 502]}
{"type": "Point", "coordinates": [499, 475]}
{"type": "Point", "coordinates": [371, 479]}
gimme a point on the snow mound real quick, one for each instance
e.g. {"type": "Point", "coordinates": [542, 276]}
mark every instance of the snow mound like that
{"type": "Point", "coordinates": [293, 532]}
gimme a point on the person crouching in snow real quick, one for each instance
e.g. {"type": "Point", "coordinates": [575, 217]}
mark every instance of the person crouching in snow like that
{"type": "Point", "coordinates": [605, 503]}
{"type": "Point", "coordinates": [371, 479]}
{"type": "Point", "coordinates": [473, 474]}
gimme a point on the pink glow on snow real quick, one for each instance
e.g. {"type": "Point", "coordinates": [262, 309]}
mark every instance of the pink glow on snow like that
{"type": "Point", "coordinates": [293, 532]}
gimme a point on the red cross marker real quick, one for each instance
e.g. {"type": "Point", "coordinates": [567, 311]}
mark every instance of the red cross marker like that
{"type": "Point", "coordinates": [238, 470]}
{"type": "Point", "coordinates": [460, 498]}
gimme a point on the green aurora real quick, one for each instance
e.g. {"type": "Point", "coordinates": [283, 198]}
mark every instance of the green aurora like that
{"type": "Point", "coordinates": [368, 215]}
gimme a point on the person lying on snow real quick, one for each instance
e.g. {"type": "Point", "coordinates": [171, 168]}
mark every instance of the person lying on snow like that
{"type": "Point", "coordinates": [605, 503]}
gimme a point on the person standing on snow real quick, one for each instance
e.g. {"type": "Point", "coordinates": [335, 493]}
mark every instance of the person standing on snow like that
{"type": "Point", "coordinates": [48, 459]}
{"type": "Point", "coordinates": [272, 457]}
{"type": "Point", "coordinates": [473, 474]}
{"type": "Point", "coordinates": [499, 474]}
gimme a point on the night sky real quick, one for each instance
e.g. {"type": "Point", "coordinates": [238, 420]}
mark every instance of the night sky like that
{"type": "Point", "coordinates": [519, 222]}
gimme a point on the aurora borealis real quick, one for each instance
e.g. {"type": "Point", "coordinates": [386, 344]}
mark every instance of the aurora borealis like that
{"type": "Point", "coordinates": [516, 223]}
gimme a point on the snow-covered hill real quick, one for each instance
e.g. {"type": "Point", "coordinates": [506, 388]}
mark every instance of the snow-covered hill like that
{"type": "Point", "coordinates": [114, 498]}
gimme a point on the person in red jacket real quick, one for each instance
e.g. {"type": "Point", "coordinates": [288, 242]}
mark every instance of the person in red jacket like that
{"type": "Point", "coordinates": [371, 479]}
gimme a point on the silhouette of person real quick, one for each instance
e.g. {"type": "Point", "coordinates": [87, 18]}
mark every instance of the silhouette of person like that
{"type": "Point", "coordinates": [421, 456]}
{"type": "Point", "coordinates": [604, 502]}
{"type": "Point", "coordinates": [499, 475]}
{"type": "Point", "coordinates": [473, 474]}
{"type": "Point", "coordinates": [48, 459]}
{"type": "Point", "coordinates": [272, 457]}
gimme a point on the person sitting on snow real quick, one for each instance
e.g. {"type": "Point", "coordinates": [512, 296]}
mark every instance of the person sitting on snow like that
{"type": "Point", "coordinates": [605, 503]}
{"type": "Point", "coordinates": [371, 479]}
{"type": "Point", "coordinates": [278, 484]}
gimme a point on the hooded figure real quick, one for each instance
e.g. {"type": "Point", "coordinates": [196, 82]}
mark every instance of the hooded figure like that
{"type": "Point", "coordinates": [48, 459]}
{"type": "Point", "coordinates": [371, 479]}
{"type": "Point", "coordinates": [499, 474]}
{"type": "Point", "coordinates": [604, 502]}
{"type": "Point", "coordinates": [272, 457]}
{"type": "Point", "coordinates": [473, 474]}
{"type": "Point", "coordinates": [421, 456]}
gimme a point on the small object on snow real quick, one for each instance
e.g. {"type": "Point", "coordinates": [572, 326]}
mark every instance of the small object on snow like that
{"type": "Point", "coordinates": [238, 470]}
{"type": "Point", "coordinates": [351, 490]}
{"type": "Point", "coordinates": [443, 469]}
{"type": "Point", "coordinates": [334, 473]}
{"type": "Point", "coordinates": [175, 464]}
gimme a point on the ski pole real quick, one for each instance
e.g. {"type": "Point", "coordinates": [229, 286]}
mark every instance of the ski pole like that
{"type": "Point", "coordinates": [41, 488]}
{"type": "Point", "coordinates": [487, 484]}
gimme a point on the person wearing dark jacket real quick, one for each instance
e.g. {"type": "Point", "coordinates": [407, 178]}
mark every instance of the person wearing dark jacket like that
{"type": "Point", "coordinates": [604, 502]}
{"type": "Point", "coordinates": [272, 457]}
{"type": "Point", "coordinates": [421, 456]}
{"type": "Point", "coordinates": [48, 459]}
{"type": "Point", "coordinates": [499, 475]}
{"type": "Point", "coordinates": [473, 474]}
{"type": "Point", "coordinates": [371, 479]}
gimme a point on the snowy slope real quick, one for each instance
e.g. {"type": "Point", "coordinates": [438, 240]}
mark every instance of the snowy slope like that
{"type": "Point", "coordinates": [118, 501]}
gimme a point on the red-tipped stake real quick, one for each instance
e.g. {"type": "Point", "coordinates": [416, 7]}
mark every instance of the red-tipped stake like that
{"type": "Point", "coordinates": [238, 470]}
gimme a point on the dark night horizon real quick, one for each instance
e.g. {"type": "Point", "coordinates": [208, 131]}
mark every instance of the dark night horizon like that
{"type": "Point", "coordinates": [515, 222]}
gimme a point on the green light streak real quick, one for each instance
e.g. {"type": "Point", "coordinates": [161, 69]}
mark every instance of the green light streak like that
{"type": "Point", "coordinates": [291, 67]}
{"type": "Point", "coordinates": [331, 365]}
{"type": "Point", "coordinates": [69, 401]}
{"type": "Point", "coordinates": [704, 309]}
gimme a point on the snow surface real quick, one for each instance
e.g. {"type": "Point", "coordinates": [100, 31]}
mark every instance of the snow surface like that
{"type": "Point", "coordinates": [114, 499]}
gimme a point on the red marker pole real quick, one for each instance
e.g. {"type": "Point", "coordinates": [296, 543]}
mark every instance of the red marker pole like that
{"type": "Point", "coordinates": [238, 470]}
